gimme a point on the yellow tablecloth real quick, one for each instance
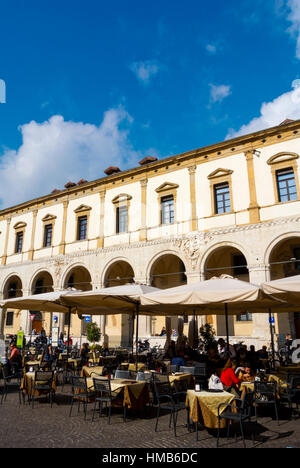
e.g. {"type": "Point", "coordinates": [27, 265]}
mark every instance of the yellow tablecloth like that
{"type": "Point", "coordinates": [28, 382]}
{"type": "Point", "coordinates": [204, 407]}
{"type": "Point", "coordinates": [132, 367]}
{"type": "Point", "coordinates": [180, 377]}
{"type": "Point", "coordinates": [32, 363]}
{"type": "Point", "coordinates": [131, 393]}
{"type": "Point", "coordinates": [88, 371]}
{"type": "Point", "coordinates": [74, 361]}
{"type": "Point", "coordinates": [246, 387]}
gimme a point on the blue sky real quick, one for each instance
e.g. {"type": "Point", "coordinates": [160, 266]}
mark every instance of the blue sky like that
{"type": "Point", "coordinates": [94, 83]}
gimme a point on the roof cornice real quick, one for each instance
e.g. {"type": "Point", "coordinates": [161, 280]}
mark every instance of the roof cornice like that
{"type": "Point", "coordinates": [249, 141]}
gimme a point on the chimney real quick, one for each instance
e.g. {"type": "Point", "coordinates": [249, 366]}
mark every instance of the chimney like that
{"type": "Point", "coordinates": [82, 181]}
{"type": "Point", "coordinates": [69, 185]}
{"type": "Point", "coordinates": [55, 190]}
{"type": "Point", "coordinates": [112, 170]}
{"type": "Point", "coordinates": [147, 160]}
{"type": "Point", "coordinates": [286, 121]}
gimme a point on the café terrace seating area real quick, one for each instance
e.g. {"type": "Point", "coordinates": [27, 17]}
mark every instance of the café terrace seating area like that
{"type": "Point", "coordinates": [185, 382]}
{"type": "Point", "coordinates": [112, 388]}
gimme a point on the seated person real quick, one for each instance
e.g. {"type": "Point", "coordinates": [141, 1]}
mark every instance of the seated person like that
{"type": "Point", "coordinates": [229, 380]}
{"type": "Point", "coordinates": [163, 331]}
{"type": "Point", "coordinates": [213, 360]}
{"type": "Point", "coordinates": [246, 373]}
{"type": "Point", "coordinates": [14, 359]}
{"type": "Point", "coordinates": [178, 360]}
{"type": "Point", "coordinates": [84, 351]}
{"type": "Point", "coordinates": [252, 357]}
{"type": "Point", "coordinates": [49, 353]}
{"type": "Point", "coordinates": [263, 353]}
{"type": "Point", "coordinates": [224, 351]}
{"type": "Point", "coordinates": [171, 351]}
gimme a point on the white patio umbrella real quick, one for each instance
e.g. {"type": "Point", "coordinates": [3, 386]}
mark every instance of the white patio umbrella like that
{"type": "Point", "coordinates": [287, 289]}
{"type": "Point", "coordinates": [124, 299]}
{"type": "Point", "coordinates": [49, 302]}
{"type": "Point", "coordinates": [214, 296]}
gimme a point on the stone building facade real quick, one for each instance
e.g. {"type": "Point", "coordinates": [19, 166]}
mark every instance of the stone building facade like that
{"type": "Point", "coordinates": [232, 207]}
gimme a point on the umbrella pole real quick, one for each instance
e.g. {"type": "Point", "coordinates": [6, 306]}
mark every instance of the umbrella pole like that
{"type": "Point", "coordinates": [227, 327]}
{"type": "Point", "coordinates": [272, 339]}
{"type": "Point", "coordinates": [194, 329]}
{"type": "Point", "coordinates": [137, 338]}
{"type": "Point", "coordinates": [132, 334]}
{"type": "Point", "coordinates": [69, 307]}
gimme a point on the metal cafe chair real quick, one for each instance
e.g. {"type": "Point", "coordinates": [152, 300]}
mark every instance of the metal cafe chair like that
{"type": "Point", "coordinates": [265, 394]}
{"type": "Point", "coordinates": [43, 381]}
{"type": "Point", "coordinates": [80, 393]}
{"type": "Point", "coordinates": [290, 391]}
{"type": "Point", "coordinates": [11, 381]}
{"type": "Point", "coordinates": [105, 395]}
{"type": "Point", "coordinates": [165, 401]}
{"type": "Point", "coordinates": [238, 411]}
{"type": "Point", "coordinates": [122, 374]}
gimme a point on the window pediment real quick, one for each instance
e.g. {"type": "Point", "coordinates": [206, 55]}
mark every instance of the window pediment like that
{"type": "Point", "coordinates": [48, 218]}
{"type": "Point", "coordinates": [220, 173]}
{"type": "Point", "coordinates": [282, 158]}
{"type": "Point", "coordinates": [82, 209]}
{"type": "Point", "coordinates": [122, 198]}
{"type": "Point", "coordinates": [167, 186]}
{"type": "Point", "coordinates": [20, 225]}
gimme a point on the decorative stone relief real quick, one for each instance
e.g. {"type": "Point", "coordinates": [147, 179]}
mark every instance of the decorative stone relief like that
{"type": "Point", "coordinates": [192, 244]}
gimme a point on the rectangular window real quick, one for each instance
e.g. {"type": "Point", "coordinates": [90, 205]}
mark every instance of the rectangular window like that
{"type": "Point", "coordinates": [82, 228]}
{"type": "Point", "coordinates": [247, 317]}
{"type": "Point", "coordinates": [239, 265]}
{"type": "Point", "coordinates": [222, 198]}
{"type": "Point", "coordinates": [122, 219]}
{"type": "Point", "coordinates": [297, 257]}
{"type": "Point", "coordinates": [19, 242]}
{"type": "Point", "coordinates": [9, 319]}
{"type": "Point", "coordinates": [48, 235]}
{"type": "Point", "coordinates": [167, 210]}
{"type": "Point", "coordinates": [68, 319]}
{"type": "Point", "coordinates": [286, 185]}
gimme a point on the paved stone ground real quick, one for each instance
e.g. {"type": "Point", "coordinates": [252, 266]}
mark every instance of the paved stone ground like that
{"type": "Point", "coordinates": [45, 427]}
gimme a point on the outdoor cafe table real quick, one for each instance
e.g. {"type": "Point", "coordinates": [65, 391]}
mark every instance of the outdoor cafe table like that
{"type": "Point", "coordinates": [130, 393]}
{"type": "Point", "coordinates": [88, 371]}
{"type": "Point", "coordinates": [204, 407]}
{"type": "Point", "coordinates": [29, 364]}
{"type": "Point", "coordinates": [28, 382]}
{"type": "Point", "coordinates": [132, 367]}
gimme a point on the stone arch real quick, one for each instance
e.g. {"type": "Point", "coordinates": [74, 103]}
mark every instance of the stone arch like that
{"type": "Point", "coordinates": [48, 281]}
{"type": "Point", "coordinates": [282, 255]}
{"type": "Point", "coordinates": [117, 272]}
{"type": "Point", "coordinates": [12, 286]}
{"type": "Point", "coordinates": [77, 276]}
{"type": "Point", "coordinates": [203, 260]}
{"type": "Point", "coordinates": [275, 242]}
{"type": "Point", "coordinates": [67, 273]}
{"type": "Point", "coordinates": [166, 270]}
{"type": "Point", "coordinates": [283, 258]}
{"type": "Point", "coordinates": [159, 255]}
{"type": "Point", "coordinates": [225, 258]}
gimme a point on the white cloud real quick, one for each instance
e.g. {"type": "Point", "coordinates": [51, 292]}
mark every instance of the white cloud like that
{"type": "Point", "coordinates": [219, 93]}
{"type": "Point", "coordinates": [145, 70]}
{"type": "Point", "coordinates": [286, 106]}
{"type": "Point", "coordinates": [294, 18]}
{"type": "Point", "coordinates": [57, 151]}
{"type": "Point", "coordinates": [211, 49]}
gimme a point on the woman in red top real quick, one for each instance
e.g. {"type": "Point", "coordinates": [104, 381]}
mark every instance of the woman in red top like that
{"type": "Point", "coordinates": [229, 380]}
